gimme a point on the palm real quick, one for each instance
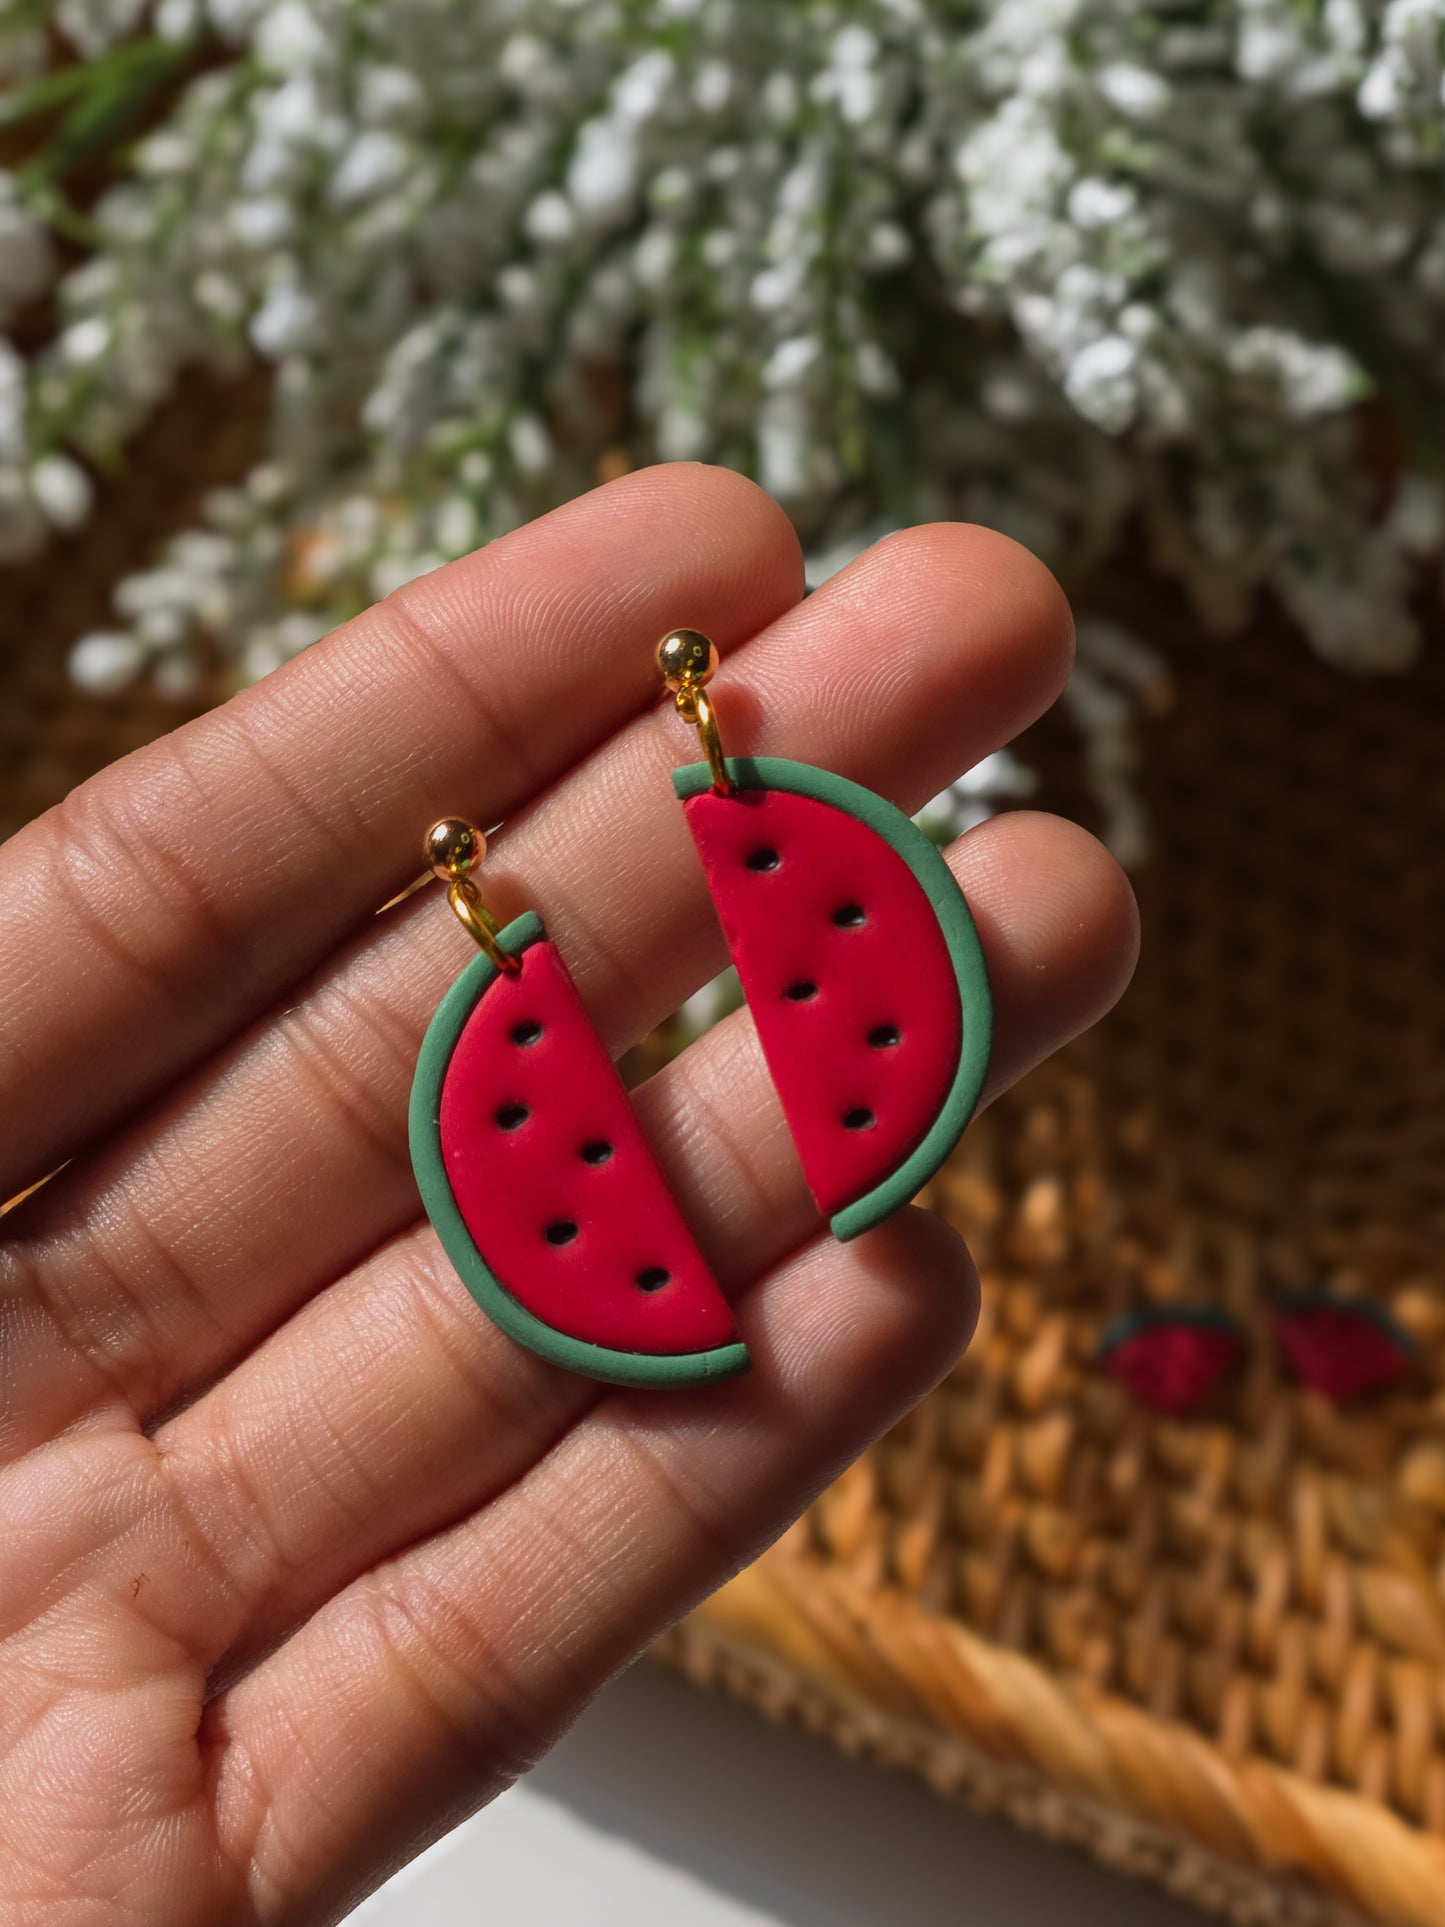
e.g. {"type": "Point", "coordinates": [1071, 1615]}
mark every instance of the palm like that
{"type": "Point", "coordinates": [303, 1559]}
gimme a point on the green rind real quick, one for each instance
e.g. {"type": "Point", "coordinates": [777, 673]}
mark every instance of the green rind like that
{"type": "Point", "coordinates": [1316, 1298]}
{"type": "Point", "coordinates": [959, 933]}
{"type": "Point", "coordinates": [1152, 1317]}
{"type": "Point", "coordinates": [573, 1354]}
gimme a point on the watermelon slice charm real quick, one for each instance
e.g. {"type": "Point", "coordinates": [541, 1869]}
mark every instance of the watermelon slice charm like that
{"type": "Point", "coordinates": [541, 1186]}
{"type": "Point", "coordinates": [861, 966]}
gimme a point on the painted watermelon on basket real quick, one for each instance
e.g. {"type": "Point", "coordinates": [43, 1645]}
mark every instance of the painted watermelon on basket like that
{"type": "Point", "coordinates": [543, 1189]}
{"type": "Point", "coordinates": [1171, 1357]}
{"type": "Point", "coordinates": [1343, 1347]}
{"type": "Point", "coordinates": [862, 969]}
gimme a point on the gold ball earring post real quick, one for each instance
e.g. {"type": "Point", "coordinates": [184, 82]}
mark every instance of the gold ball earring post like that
{"type": "Point", "coordinates": [687, 661]}
{"type": "Point", "coordinates": [453, 849]}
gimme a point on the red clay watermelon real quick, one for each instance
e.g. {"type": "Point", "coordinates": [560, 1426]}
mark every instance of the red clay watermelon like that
{"type": "Point", "coordinates": [543, 1190]}
{"type": "Point", "coordinates": [862, 969]}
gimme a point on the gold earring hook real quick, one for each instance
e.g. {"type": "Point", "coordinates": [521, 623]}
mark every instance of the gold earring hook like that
{"type": "Point", "coordinates": [453, 849]}
{"type": "Point", "coordinates": [687, 660]}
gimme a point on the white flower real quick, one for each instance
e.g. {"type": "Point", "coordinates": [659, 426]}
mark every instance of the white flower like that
{"type": "Point", "coordinates": [1135, 91]}
{"type": "Point", "coordinates": [178, 19]}
{"type": "Point", "coordinates": [712, 86]}
{"type": "Point", "coordinates": [876, 372]}
{"type": "Point", "coordinates": [285, 320]}
{"type": "Point", "coordinates": [62, 491]}
{"type": "Point", "coordinates": [653, 257]}
{"type": "Point", "coordinates": [790, 360]}
{"type": "Point", "coordinates": [455, 526]}
{"type": "Point", "coordinates": [1099, 203]}
{"type": "Point", "coordinates": [530, 444]}
{"type": "Point", "coordinates": [291, 35]}
{"type": "Point", "coordinates": [887, 246]}
{"type": "Point", "coordinates": [550, 220]}
{"type": "Point", "coordinates": [603, 172]}
{"type": "Point", "coordinates": [643, 87]}
{"type": "Point", "coordinates": [1080, 225]}
{"type": "Point", "coordinates": [1100, 381]}
{"type": "Point", "coordinates": [780, 98]}
{"type": "Point", "coordinates": [105, 661]}
{"type": "Point", "coordinates": [12, 408]}
{"type": "Point", "coordinates": [385, 92]}
{"type": "Point", "coordinates": [261, 221]}
{"type": "Point", "coordinates": [375, 161]}
{"type": "Point", "coordinates": [775, 287]}
{"type": "Point", "coordinates": [1315, 378]}
{"type": "Point", "coordinates": [85, 342]}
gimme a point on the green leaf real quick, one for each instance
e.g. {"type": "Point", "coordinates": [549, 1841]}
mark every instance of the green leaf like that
{"type": "Point", "coordinates": [43, 96]}
{"type": "Point", "coordinates": [99, 101]}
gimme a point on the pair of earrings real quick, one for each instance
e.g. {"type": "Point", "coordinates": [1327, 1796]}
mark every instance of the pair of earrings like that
{"type": "Point", "coordinates": [864, 973]}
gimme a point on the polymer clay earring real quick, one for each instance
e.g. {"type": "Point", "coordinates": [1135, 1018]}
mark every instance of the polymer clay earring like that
{"type": "Point", "coordinates": [535, 1172]}
{"type": "Point", "coordinates": [856, 952]}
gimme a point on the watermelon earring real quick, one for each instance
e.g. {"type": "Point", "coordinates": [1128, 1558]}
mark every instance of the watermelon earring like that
{"type": "Point", "coordinates": [534, 1170]}
{"type": "Point", "coordinates": [857, 955]}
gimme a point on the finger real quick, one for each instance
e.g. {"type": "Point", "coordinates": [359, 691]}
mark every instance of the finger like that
{"type": "Point", "coordinates": [309, 1113]}
{"type": "Point", "coordinates": [430, 1684]}
{"type": "Point", "coordinates": [389, 1406]}
{"type": "Point", "coordinates": [175, 894]}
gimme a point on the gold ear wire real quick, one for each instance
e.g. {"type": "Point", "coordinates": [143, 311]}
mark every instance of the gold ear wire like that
{"type": "Point", "coordinates": [404, 896]}
{"type": "Point", "coordinates": [453, 849]}
{"type": "Point", "coordinates": [686, 661]}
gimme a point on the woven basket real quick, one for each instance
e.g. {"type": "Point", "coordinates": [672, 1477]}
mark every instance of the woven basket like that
{"type": "Point", "coordinates": [1210, 1652]}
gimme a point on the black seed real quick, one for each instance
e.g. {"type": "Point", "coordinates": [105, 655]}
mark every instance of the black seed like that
{"type": "Point", "coordinates": [652, 1278]}
{"type": "Point", "coordinates": [801, 992]}
{"type": "Point", "coordinates": [527, 1032]}
{"type": "Point", "coordinates": [851, 916]}
{"type": "Point", "coordinates": [763, 859]}
{"type": "Point", "coordinates": [596, 1151]}
{"type": "Point", "coordinates": [561, 1231]}
{"type": "Point", "coordinates": [511, 1117]}
{"type": "Point", "coordinates": [859, 1119]}
{"type": "Point", "coordinates": [884, 1036]}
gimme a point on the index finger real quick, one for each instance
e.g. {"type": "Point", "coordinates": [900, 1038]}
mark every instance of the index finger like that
{"type": "Point", "coordinates": [175, 895]}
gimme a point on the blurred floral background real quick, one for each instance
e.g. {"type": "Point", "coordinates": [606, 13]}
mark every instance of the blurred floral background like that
{"type": "Point", "coordinates": [1165, 276]}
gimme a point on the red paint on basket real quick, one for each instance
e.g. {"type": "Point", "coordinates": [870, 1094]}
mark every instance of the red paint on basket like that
{"type": "Point", "coordinates": [847, 974]}
{"type": "Point", "coordinates": [555, 1181]}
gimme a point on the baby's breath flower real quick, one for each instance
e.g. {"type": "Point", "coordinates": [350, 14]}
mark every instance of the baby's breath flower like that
{"type": "Point", "coordinates": [899, 260]}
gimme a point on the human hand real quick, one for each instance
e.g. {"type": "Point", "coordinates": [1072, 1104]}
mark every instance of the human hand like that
{"type": "Point", "coordinates": [303, 1559]}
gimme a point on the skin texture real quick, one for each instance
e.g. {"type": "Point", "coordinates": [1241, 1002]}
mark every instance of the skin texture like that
{"type": "Point", "coordinates": [303, 1558]}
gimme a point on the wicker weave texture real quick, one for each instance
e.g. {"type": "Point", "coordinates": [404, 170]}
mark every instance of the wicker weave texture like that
{"type": "Point", "coordinates": [1228, 1632]}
